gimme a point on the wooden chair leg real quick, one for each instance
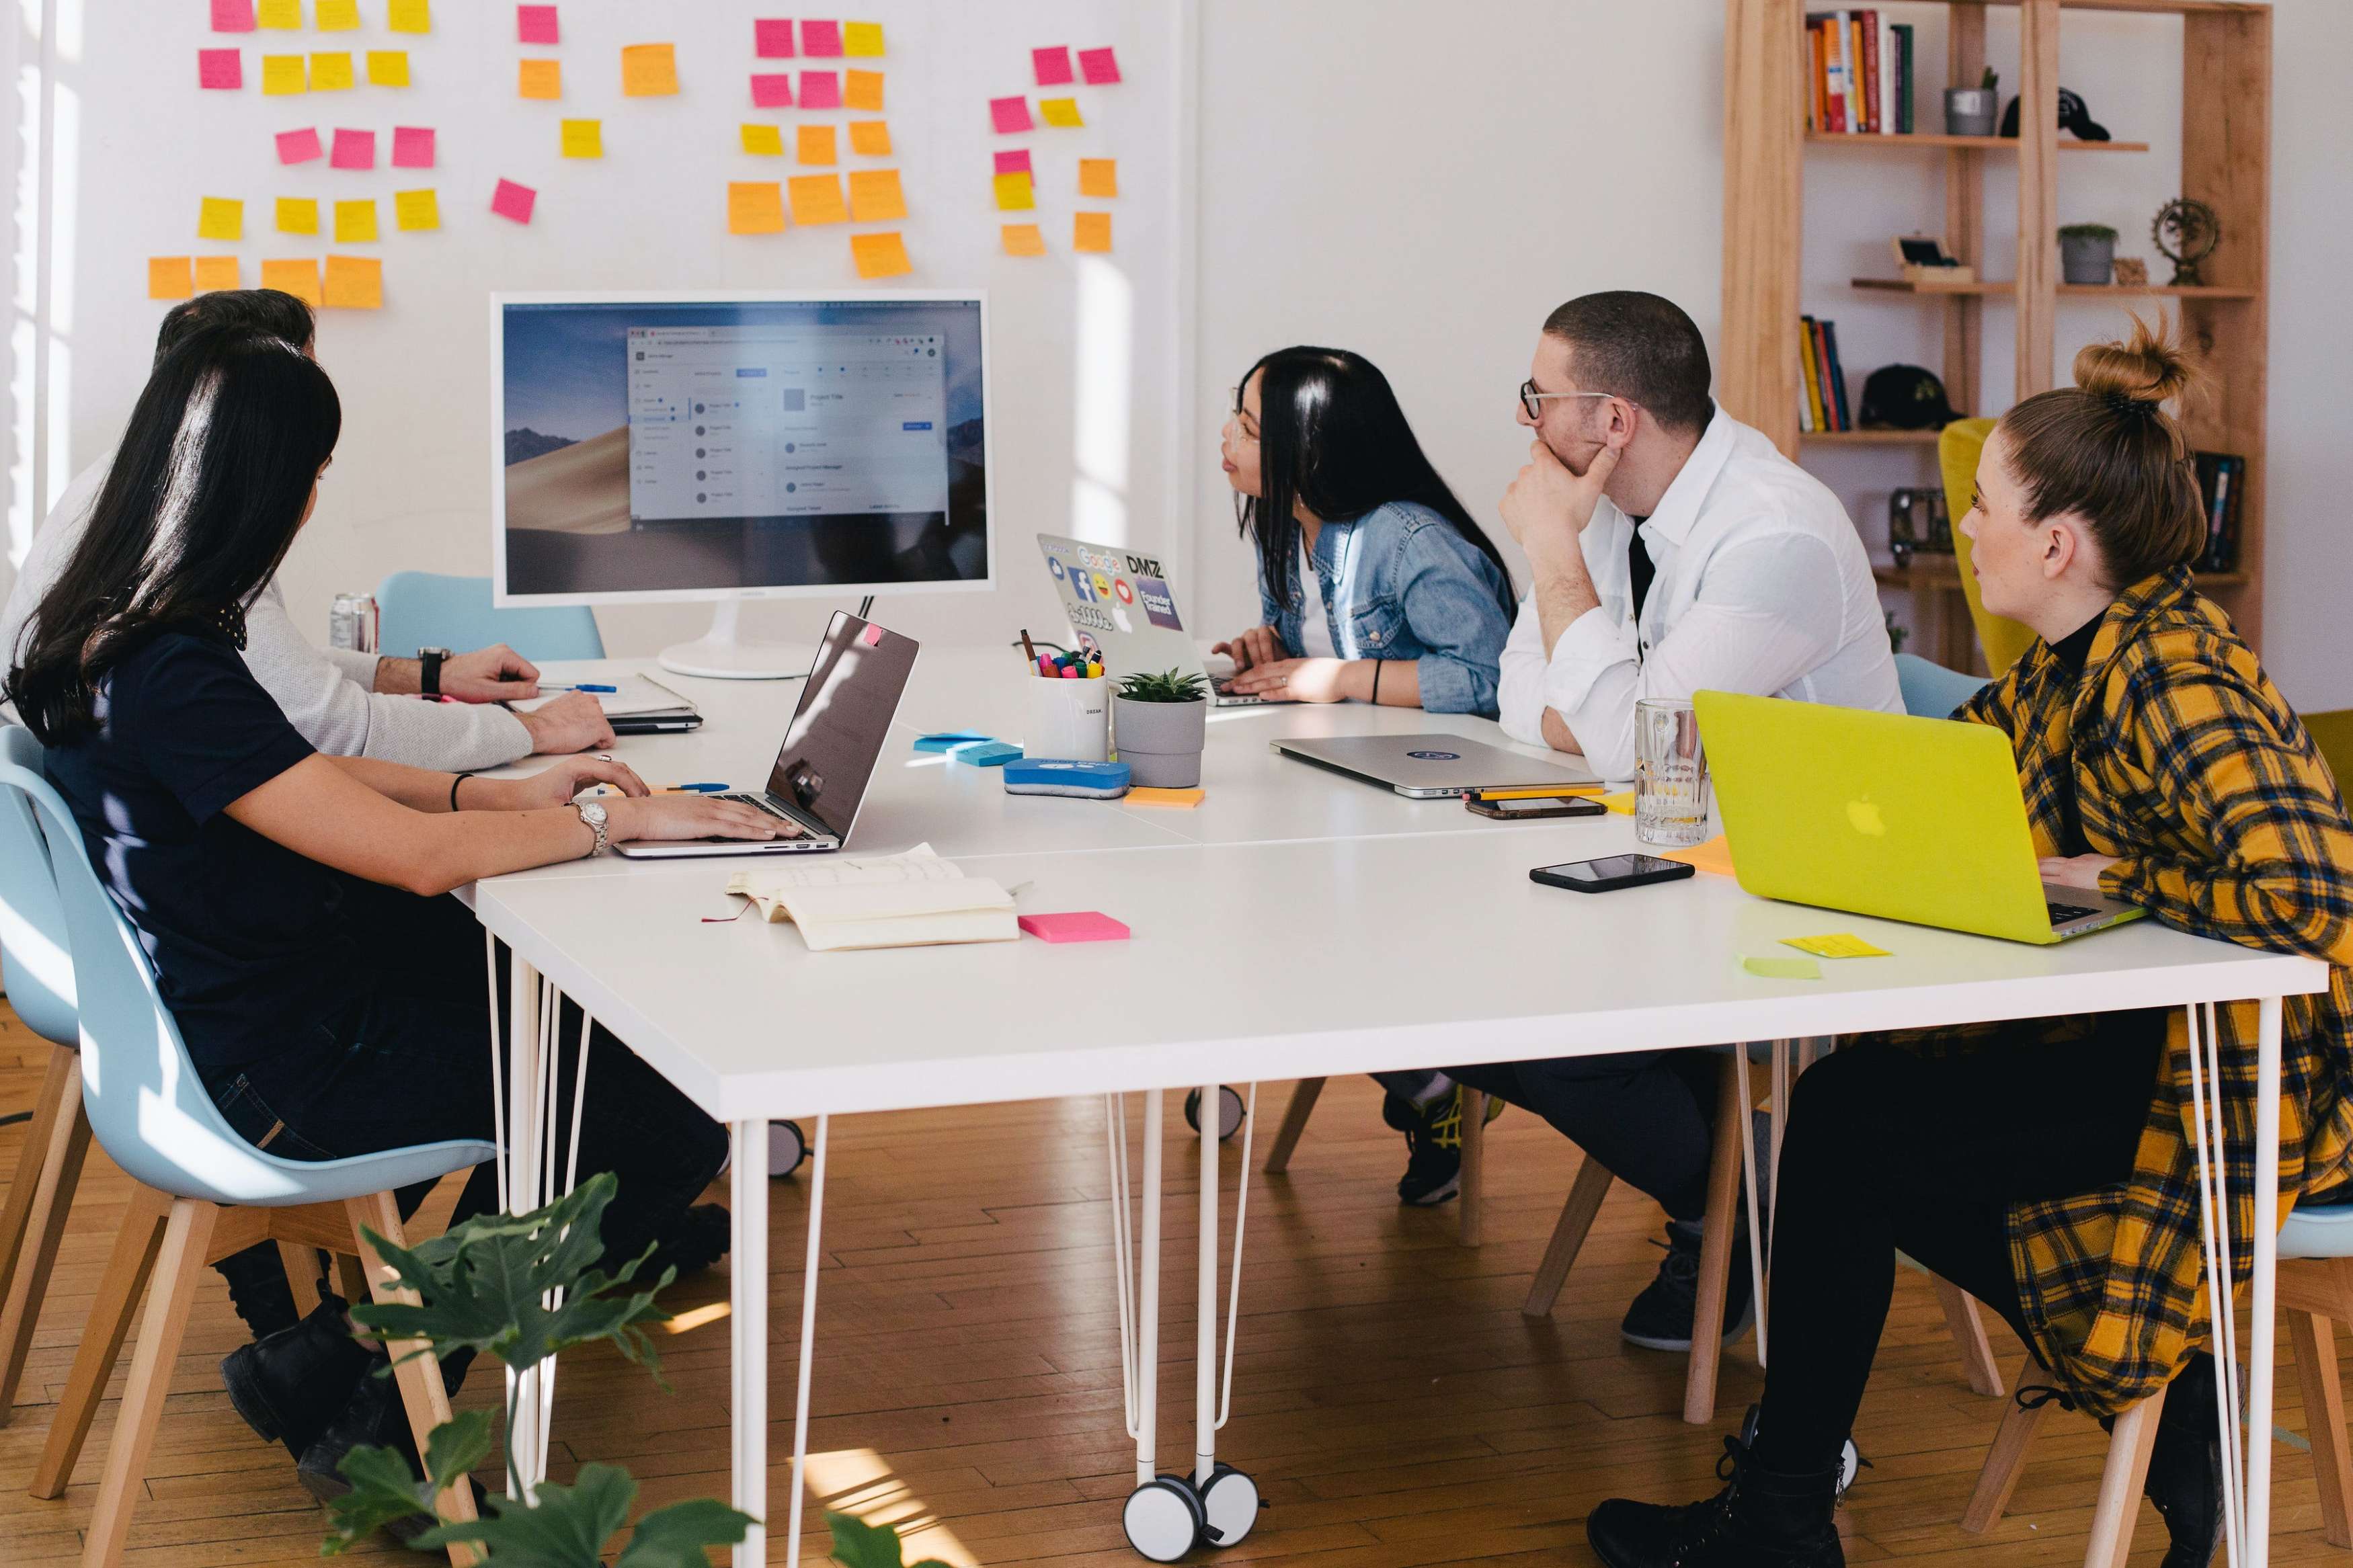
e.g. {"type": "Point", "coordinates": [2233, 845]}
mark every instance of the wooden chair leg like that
{"type": "Point", "coordinates": [55, 1144]}
{"type": "Point", "coordinates": [2006, 1460]}
{"type": "Point", "coordinates": [2324, 1421]}
{"type": "Point", "coordinates": [1961, 1316]}
{"type": "Point", "coordinates": [351, 1279]}
{"type": "Point", "coordinates": [1294, 1122]}
{"type": "Point", "coordinates": [1585, 1195]}
{"type": "Point", "coordinates": [301, 1266]}
{"type": "Point", "coordinates": [1715, 1246]}
{"type": "Point", "coordinates": [178, 1267]}
{"type": "Point", "coordinates": [421, 1390]}
{"type": "Point", "coordinates": [119, 1289]}
{"type": "Point", "coordinates": [2120, 1483]}
{"type": "Point", "coordinates": [1472, 1188]}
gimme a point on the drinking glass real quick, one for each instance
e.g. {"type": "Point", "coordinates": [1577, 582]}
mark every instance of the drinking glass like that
{"type": "Point", "coordinates": [1670, 783]}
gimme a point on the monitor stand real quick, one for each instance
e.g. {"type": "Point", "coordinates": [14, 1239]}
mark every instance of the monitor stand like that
{"type": "Point", "coordinates": [721, 655]}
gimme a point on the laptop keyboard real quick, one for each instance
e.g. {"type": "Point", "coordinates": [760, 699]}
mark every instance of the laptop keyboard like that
{"type": "Point", "coordinates": [2062, 914]}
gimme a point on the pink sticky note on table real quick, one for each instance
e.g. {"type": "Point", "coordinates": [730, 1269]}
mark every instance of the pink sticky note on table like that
{"type": "Point", "coordinates": [223, 69]}
{"type": "Point", "coordinates": [412, 146]}
{"type": "Point", "coordinates": [1100, 66]}
{"type": "Point", "coordinates": [537, 24]}
{"type": "Point", "coordinates": [821, 40]}
{"type": "Point", "coordinates": [772, 90]}
{"type": "Point", "coordinates": [772, 37]}
{"type": "Point", "coordinates": [298, 146]}
{"type": "Point", "coordinates": [1053, 66]}
{"type": "Point", "coordinates": [232, 16]}
{"type": "Point", "coordinates": [513, 201]}
{"type": "Point", "coordinates": [1014, 162]}
{"type": "Point", "coordinates": [1081, 925]}
{"type": "Point", "coordinates": [354, 150]}
{"type": "Point", "coordinates": [1010, 115]}
{"type": "Point", "coordinates": [821, 89]}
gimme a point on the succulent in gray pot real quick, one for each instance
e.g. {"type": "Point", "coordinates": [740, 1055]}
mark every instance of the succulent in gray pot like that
{"type": "Point", "coordinates": [2087, 252]}
{"type": "Point", "coordinates": [1973, 110]}
{"type": "Point", "coordinates": [1160, 723]}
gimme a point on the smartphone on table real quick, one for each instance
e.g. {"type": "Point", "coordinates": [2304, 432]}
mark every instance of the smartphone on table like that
{"type": "Point", "coordinates": [1532, 808]}
{"type": "Point", "coordinates": [1611, 873]}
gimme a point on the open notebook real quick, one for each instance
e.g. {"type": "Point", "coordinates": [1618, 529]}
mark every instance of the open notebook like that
{"type": "Point", "coordinates": [638, 698]}
{"type": "Point", "coordinates": [915, 899]}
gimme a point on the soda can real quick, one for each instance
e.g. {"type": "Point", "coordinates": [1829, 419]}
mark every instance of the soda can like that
{"type": "Point", "coordinates": [351, 622]}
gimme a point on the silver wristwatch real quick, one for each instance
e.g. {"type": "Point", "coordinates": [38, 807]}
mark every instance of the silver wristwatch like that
{"type": "Point", "coordinates": [594, 815]}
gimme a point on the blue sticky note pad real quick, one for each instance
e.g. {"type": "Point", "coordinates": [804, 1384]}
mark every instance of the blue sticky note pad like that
{"type": "Point", "coordinates": [949, 740]}
{"type": "Point", "coordinates": [983, 753]}
{"type": "Point", "coordinates": [1085, 780]}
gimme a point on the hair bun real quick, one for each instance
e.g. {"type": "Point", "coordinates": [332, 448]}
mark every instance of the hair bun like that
{"type": "Point", "coordinates": [2150, 367]}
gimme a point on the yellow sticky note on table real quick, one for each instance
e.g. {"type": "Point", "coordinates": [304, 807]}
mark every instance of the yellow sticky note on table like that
{"type": "Point", "coordinates": [409, 16]}
{"type": "Point", "coordinates": [817, 198]}
{"type": "Point", "coordinates": [169, 278]}
{"type": "Point", "coordinates": [220, 217]}
{"type": "Point", "coordinates": [1024, 240]}
{"type": "Point", "coordinates": [1838, 944]}
{"type": "Point", "coordinates": [279, 15]}
{"type": "Point", "coordinates": [584, 137]}
{"type": "Point", "coordinates": [862, 40]}
{"type": "Point", "coordinates": [879, 255]}
{"type": "Point", "coordinates": [816, 145]}
{"type": "Point", "coordinates": [539, 78]}
{"type": "Point", "coordinates": [387, 68]}
{"type": "Point", "coordinates": [1063, 112]}
{"type": "Point", "coordinates": [649, 70]}
{"type": "Point", "coordinates": [1099, 177]}
{"type": "Point", "coordinates": [1782, 968]}
{"type": "Point", "coordinates": [764, 141]}
{"type": "Point", "coordinates": [1714, 857]}
{"type": "Point", "coordinates": [414, 211]}
{"type": "Point", "coordinates": [862, 89]}
{"type": "Point", "coordinates": [356, 221]}
{"type": "Point", "coordinates": [355, 283]}
{"type": "Point", "coordinates": [1090, 231]}
{"type": "Point", "coordinates": [338, 15]}
{"type": "Point", "coordinates": [1015, 194]}
{"type": "Point", "coordinates": [870, 138]}
{"type": "Point", "coordinates": [331, 72]}
{"type": "Point", "coordinates": [755, 207]}
{"type": "Point", "coordinates": [875, 195]}
{"type": "Point", "coordinates": [215, 273]}
{"type": "Point", "coordinates": [1622, 803]}
{"type": "Point", "coordinates": [300, 278]}
{"type": "Point", "coordinates": [298, 215]}
{"type": "Point", "coordinates": [282, 74]}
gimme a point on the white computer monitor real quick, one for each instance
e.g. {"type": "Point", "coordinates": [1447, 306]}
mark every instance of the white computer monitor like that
{"type": "Point", "coordinates": [652, 447]}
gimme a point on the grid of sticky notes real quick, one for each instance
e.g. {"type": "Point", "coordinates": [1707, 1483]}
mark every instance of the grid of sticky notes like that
{"type": "Point", "coordinates": [1057, 72]}
{"type": "Point", "coordinates": [833, 195]}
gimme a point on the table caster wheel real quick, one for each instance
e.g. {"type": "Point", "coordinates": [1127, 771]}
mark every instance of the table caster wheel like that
{"type": "Point", "coordinates": [788, 1147]}
{"type": "Point", "coordinates": [1229, 1505]}
{"type": "Point", "coordinates": [1163, 1519]}
{"type": "Point", "coordinates": [1229, 1110]}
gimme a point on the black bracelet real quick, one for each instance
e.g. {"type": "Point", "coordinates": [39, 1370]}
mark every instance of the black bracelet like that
{"type": "Point", "coordinates": [1376, 683]}
{"type": "Point", "coordinates": [454, 780]}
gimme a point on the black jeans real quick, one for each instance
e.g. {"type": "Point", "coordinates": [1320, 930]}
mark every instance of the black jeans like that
{"type": "Point", "coordinates": [1888, 1149]}
{"type": "Point", "coordinates": [1648, 1116]}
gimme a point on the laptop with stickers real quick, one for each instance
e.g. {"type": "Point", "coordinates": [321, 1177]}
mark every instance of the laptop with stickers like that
{"type": "Point", "coordinates": [1120, 604]}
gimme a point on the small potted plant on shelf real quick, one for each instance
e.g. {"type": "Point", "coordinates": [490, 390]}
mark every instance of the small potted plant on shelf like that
{"type": "Point", "coordinates": [1973, 110]}
{"type": "Point", "coordinates": [2086, 251]}
{"type": "Point", "coordinates": [1160, 725]}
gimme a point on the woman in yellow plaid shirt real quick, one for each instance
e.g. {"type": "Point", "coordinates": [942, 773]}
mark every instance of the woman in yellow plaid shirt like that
{"type": "Point", "coordinates": [2046, 1167]}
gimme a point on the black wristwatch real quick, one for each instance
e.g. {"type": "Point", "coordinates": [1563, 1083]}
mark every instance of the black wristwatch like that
{"type": "Point", "coordinates": [429, 673]}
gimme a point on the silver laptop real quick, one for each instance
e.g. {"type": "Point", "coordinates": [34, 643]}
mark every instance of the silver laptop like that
{"type": "Point", "coordinates": [1120, 604]}
{"type": "Point", "coordinates": [828, 759]}
{"type": "Point", "coordinates": [1433, 767]}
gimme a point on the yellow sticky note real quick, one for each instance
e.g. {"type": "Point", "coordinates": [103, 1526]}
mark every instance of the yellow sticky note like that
{"type": "Point", "coordinates": [875, 196]}
{"type": "Point", "coordinates": [862, 40]}
{"type": "Point", "coordinates": [331, 72]}
{"type": "Point", "coordinates": [1015, 194]}
{"type": "Point", "coordinates": [387, 68]}
{"type": "Point", "coordinates": [1062, 111]}
{"type": "Point", "coordinates": [282, 74]}
{"type": "Point", "coordinates": [409, 16]}
{"type": "Point", "coordinates": [755, 207]}
{"type": "Point", "coordinates": [220, 217]}
{"type": "Point", "coordinates": [355, 283]}
{"type": "Point", "coordinates": [817, 198]}
{"type": "Point", "coordinates": [1023, 240]}
{"type": "Point", "coordinates": [300, 278]}
{"type": "Point", "coordinates": [862, 89]}
{"type": "Point", "coordinates": [1838, 944]}
{"type": "Point", "coordinates": [298, 215]}
{"type": "Point", "coordinates": [279, 15]}
{"type": "Point", "coordinates": [338, 15]}
{"type": "Point", "coordinates": [1091, 231]}
{"type": "Point", "coordinates": [764, 141]}
{"type": "Point", "coordinates": [649, 70]}
{"type": "Point", "coordinates": [816, 144]}
{"type": "Point", "coordinates": [1099, 177]}
{"type": "Point", "coordinates": [539, 78]}
{"type": "Point", "coordinates": [414, 211]}
{"type": "Point", "coordinates": [169, 278]}
{"type": "Point", "coordinates": [870, 138]}
{"type": "Point", "coordinates": [1622, 803]}
{"type": "Point", "coordinates": [584, 137]}
{"type": "Point", "coordinates": [1782, 968]}
{"type": "Point", "coordinates": [216, 272]}
{"type": "Point", "coordinates": [354, 222]}
{"type": "Point", "coordinates": [1714, 857]}
{"type": "Point", "coordinates": [879, 255]}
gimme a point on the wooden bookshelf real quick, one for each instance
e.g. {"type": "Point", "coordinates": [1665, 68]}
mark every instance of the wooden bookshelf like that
{"type": "Point", "coordinates": [2226, 86]}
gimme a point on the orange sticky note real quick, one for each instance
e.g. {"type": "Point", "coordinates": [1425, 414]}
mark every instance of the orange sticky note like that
{"type": "Point", "coordinates": [1090, 231]}
{"type": "Point", "coordinates": [355, 283]}
{"type": "Point", "coordinates": [649, 70]}
{"type": "Point", "coordinates": [415, 210]}
{"type": "Point", "coordinates": [339, 15]}
{"type": "Point", "coordinates": [298, 215]}
{"type": "Point", "coordinates": [216, 272]}
{"type": "Point", "coordinates": [283, 74]}
{"type": "Point", "coordinates": [816, 144]}
{"type": "Point", "coordinates": [300, 278]}
{"type": "Point", "coordinates": [409, 16]}
{"type": "Point", "coordinates": [356, 221]}
{"type": "Point", "coordinates": [862, 40]}
{"type": "Point", "coordinates": [870, 138]}
{"type": "Point", "coordinates": [1014, 192]}
{"type": "Point", "coordinates": [169, 278]}
{"type": "Point", "coordinates": [862, 89]}
{"type": "Point", "coordinates": [331, 72]}
{"type": "Point", "coordinates": [1714, 857]}
{"type": "Point", "coordinates": [817, 198]}
{"type": "Point", "coordinates": [764, 141]}
{"type": "Point", "coordinates": [584, 137]}
{"type": "Point", "coordinates": [1062, 112]}
{"type": "Point", "coordinates": [875, 196]}
{"type": "Point", "coordinates": [539, 78]}
{"type": "Point", "coordinates": [220, 217]}
{"type": "Point", "coordinates": [1023, 240]}
{"type": "Point", "coordinates": [879, 255]}
{"type": "Point", "coordinates": [1099, 177]}
{"type": "Point", "coordinates": [754, 206]}
{"type": "Point", "coordinates": [387, 68]}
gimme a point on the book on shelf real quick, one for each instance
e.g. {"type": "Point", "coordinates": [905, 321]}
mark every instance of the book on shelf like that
{"type": "Point", "coordinates": [1862, 73]}
{"type": "Point", "coordinates": [1825, 405]}
{"type": "Point", "coordinates": [2222, 479]}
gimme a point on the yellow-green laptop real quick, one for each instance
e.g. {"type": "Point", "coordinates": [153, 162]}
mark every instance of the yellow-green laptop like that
{"type": "Point", "coordinates": [1875, 813]}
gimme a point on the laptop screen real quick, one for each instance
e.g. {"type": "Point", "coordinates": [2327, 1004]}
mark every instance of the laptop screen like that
{"type": "Point", "coordinates": [844, 717]}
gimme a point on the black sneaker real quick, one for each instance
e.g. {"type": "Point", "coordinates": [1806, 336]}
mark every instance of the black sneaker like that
{"type": "Point", "coordinates": [1433, 1145]}
{"type": "Point", "coordinates": [1661, 1316]}
{"type": "Point", "coordinates": [693, 1242]}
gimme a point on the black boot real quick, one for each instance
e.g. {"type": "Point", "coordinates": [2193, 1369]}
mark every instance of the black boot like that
{"type": "Point", "coordinates": [372, 1416]}
{"type": "Point", "coordinates": [1762, 1519]}
{"type": "Point", "coordinates": [289, 1385]}
{"type": "Point", "coordinates": [2185, 1466]}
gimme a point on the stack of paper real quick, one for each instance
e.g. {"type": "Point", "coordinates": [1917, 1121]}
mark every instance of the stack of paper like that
{"type": "Point", "coordinates": [916, 900]}
{"type": "Point", "coordinates": [638, 698]}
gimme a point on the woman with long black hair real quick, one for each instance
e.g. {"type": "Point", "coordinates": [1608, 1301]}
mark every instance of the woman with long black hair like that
{"type": "Point", "coordinates": [1374, 583]}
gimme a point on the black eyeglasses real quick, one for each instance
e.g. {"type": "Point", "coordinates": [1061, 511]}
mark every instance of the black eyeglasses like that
{"type": "Point", "coordinates": [1534, 400]}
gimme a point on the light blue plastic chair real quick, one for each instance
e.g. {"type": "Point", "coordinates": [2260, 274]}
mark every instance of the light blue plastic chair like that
{"type": "Point", "coordinates": [1931, 691]}
{"type": "Point", "coordinates": [424, 609]}
{"type": "Point", "coordinates": [203, 1192]}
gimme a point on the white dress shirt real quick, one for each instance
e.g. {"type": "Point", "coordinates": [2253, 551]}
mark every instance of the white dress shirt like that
{"type": "Point", "coordinates": [1763, 586]}
{"type": "Point", "coordinates": [327, 693]}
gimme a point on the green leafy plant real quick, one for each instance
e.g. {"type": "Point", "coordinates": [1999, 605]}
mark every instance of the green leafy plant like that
{"type": "Point", "coordinates": [857, 1544]}
{"type": "Point", "coordinates": [1989, 81]}
{"type": "Point", "coordinates": [2087, 231]}
{"type": "Point", "coordinates": [1167, 686]}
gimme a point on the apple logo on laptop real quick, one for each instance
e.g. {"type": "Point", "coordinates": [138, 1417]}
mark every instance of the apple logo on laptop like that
{"type": "Point", "coordinates": [1866, 816]}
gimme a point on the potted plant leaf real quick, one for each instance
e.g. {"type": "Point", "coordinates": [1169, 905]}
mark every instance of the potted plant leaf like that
{"type": "Point", "coordinates": [2087, 252]}
{"type": "Point", "coordinates": [1161, 722]}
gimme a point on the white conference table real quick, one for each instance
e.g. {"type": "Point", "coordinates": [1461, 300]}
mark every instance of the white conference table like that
{"type": "Point", "coordinates": [1428, 947]}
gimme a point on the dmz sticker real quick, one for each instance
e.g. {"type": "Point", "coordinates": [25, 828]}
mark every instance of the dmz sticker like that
{"type": "Point", "coordinates": [1159, 604]}
{"type": "Point", "coordinates": [1435, 756]}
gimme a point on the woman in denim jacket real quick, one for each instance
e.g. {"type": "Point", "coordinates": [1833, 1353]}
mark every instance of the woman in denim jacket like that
{"type": "Point", "coordinates": [1410, 603]}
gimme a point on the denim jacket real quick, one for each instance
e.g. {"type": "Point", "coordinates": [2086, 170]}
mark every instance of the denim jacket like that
{"type": "Point", "coordinates": [1402, 584]}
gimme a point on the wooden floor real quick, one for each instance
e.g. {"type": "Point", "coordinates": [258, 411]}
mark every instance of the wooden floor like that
{"type": "Point", "coordinates": [1394, 1407]}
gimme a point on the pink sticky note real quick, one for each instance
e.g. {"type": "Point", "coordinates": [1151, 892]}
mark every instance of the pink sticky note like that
{"type": "Point", "coordinates": [537, 24]}
{"type": "Point", "coordinates": [1010, 115]}
{"type": "Point", "coordinates": [871, 637]}
{"type": "Point", "coordinates": [821, 89]}
{"type": "Point", "coordinates": [412, 146]}
{"type": "Point", "coordinates": [1014, 162]}
{"type": "Point", "coordinates": [772, 37]}
{"type": "Point", "coordinates": [1081, 925]}
{"type": "Point", "coordinates": [1100, 66]}
{"type": "Point", "coordinates": [513, 201]}
{"type": "Point", "coordinates": [220, 68]}
{"type": "Point", "coordinates": [772, 91]}
{"type": "Point", "coordinates": [1053, 66]}
{"type": "Point", "coordinates": [232, 16]}
{"type": "Point", "coordinates": [354, 150]}
{"type": "Point", "coordinates": [298, 146]}
{"type": "Point", "coordinates": [821, 40]}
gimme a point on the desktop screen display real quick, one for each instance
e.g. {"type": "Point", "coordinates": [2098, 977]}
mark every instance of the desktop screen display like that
{"type": "Point", "coordinates": [676, 448]}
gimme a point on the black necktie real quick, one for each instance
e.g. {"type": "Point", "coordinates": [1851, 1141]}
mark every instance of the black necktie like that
{"type": "Point", "coordinates": [1639, 568]}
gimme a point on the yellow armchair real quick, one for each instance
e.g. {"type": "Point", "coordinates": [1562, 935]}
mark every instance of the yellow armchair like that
{"type": "Point", "coordinates": [1959, 446]}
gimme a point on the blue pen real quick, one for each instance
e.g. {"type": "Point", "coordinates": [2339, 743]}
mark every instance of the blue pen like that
{"type": "Point", "coordinates": [584, 686]}
{"type": "Point", "coordinates": [701, 788]}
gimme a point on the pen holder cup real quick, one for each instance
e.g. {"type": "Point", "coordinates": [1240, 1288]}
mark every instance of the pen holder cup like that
{"type": "Point", "coordinates": [1067, 720]}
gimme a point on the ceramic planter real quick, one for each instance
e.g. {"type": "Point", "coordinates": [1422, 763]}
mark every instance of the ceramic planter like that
{"type": "Point", "coordinates": [2086, 257]}
{"type": "Point", "coordinates": [1971, 110]}
{"type": "Point", "coordinates": [1161, 742]}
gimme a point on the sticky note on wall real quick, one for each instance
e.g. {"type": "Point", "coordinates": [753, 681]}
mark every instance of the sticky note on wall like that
{"type": "Point", "coordinates": [412, 146]}
{"type": "Point", "coordinates": [279, 16]}
{"type": "Point", "coordinates": [387, 68]}
{"type": "Point", "coordinates": [298, 215]}
{"type": "Point", "coordinates": [875, 195]}
{"type": "Point", "coordinates": [1090, 231]}
{"type": "Point", "coordinates": [331, 71]}
{"type": "Point", "coordinates": [862, 89]}
{"type": "Point", "coordinates": [356, 221]}
{"type": "Point", "coordinates": [513, 201]}
{"type": "Point", "coordinates": [220, 71]}
{"type": "Point", "coordinates": [416, 212]}
{"type": "Point", "coordinates": [1013, 160]}
{"type": "Point", "coordinates": [1010, 116]}
{"type": "Point", "coordinates": [649, 70]}
{"type": "Point", "coordinates": [755, 207]}
{"type": "Point", "coordinates": [409, 16]}
{"type": "Point", "coordinates": [539, 78]}
{"type": "Point", "coordinates": [355, 283]}
{"type": "Point", "coordinates": [1023, 240]}
{"type": "Point", "coordinates": [862, 40]}
{"type": "Point", "coordinates": [338, 15]}
{"type": "Point", "coordinates": [1100, 66]}
{"type": "Point", "coordinates": [537, 24]}
{"type": "Point", "coordinates": [817, 198]}
{"type": "Point", "coordinates": [299, 146]}
{"type": "Point", "coordinates": [354, 150]}
{"type": "Point", "coordinates": [764, 141]}
{"type": "Point", "coordinates": [1052, 66]}
{"type": "Point", "coordinates": [169, 278]}
{"type": "Point", "coordinates": [232, 16]}
{"type": "Point", "coordinates": [816, 145]}
{"type": "Point", "coordinates": [283, 74]}
{"type": "Point", "coordinates": [1015, 193]}
{"type": "Point", "coordinates": [821, 40]}
{"type": "Point", "coordinates": [220, 217]}
{"type": "Point", "coordinates": [215, 273]}
{"type": "Point", "coordinates": [772, 90]}
{"type": "Point", "coordinates": [1059, 112]}
{"type": "Point", "coordinates": [772, 37]}
{"type": "Point", "coordinates": [821, 89]}
{"type": "Point", "coordinates": [583, 139]}
{"type": "Point", "coordinates": [870, 138]}
{"type": "Point", "coordinates": [1099, 177]}
{"type": "Point", "coordinates": [879, 255]}
{"type": "Point", "coordinates": [297, 277]}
